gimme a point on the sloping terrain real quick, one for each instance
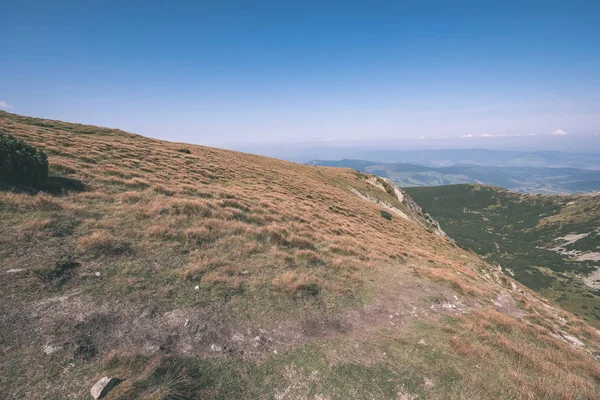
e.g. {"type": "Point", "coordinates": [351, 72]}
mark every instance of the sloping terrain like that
{"type": "Point", "coordinates": [191, 272]}
{"type": "Point", "coordinates": [549, 243]}
{"type": "Point", "coordinates": [523, 179]}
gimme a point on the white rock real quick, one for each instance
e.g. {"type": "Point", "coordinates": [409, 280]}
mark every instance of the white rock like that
{"type": "Point", "coordinates": [422, 342]}
{"type": "Point", "coordinates": [237, 337]}
{"type": "Point", "coordinates": [103, 386]}
{"type": "Point", "coordinates": [215, 347]}
{"type": "Point", "coordinates": [573, 340]}
{"type": "Point", "coordinates": [196, 287]}
{"type": "Point", "coordinates": [49, 349]}
{"type": "Point", "coordinates": [97, 273]}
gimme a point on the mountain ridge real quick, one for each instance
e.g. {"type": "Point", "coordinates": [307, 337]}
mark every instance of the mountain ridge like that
{"type": "Point", "coordinates": [523, 179]}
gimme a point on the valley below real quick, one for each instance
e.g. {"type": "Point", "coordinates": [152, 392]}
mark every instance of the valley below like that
{"type": "Point", "coordinates": [549, 243]}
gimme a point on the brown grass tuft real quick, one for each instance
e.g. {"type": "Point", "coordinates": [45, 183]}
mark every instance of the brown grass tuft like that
{"type": "Point", "coordinates": [192, 208]}
{"type": "Point", "coordinates": [293, 282]}
{"type": "Point", "coordinates": [102, 242]}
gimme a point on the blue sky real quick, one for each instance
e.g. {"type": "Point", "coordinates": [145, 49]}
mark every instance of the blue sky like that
{"type": "Point", "coordinates": [231, 72]}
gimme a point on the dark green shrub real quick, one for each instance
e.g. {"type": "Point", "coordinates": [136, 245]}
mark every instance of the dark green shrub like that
{"type": "Point", "coordinates": [21, 163]}
{"type": "Point", "coordinates": [85, 349]}
{"type": "Point", "coordinates": [386, 215]}
{"type": "Point", "coordinates": [309, 289]}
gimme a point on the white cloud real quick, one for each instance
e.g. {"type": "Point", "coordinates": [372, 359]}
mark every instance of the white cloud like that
{"type": "Point", "coordinates": [421, 137]}
{"type": "Point", "coordinates": [485, 135]}
{"type": "Point", "coordinates": [5, 106]}
{"type": "Point", "coordinates": [559, 132]}
{"type": "Point", "coordinates": [467, 136]}
{"type": "Point", "coordinates": [321, 139]}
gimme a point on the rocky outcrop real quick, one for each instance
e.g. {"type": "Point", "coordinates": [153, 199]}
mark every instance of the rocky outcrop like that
{"type": "Point", "coordinates": [405, 199]}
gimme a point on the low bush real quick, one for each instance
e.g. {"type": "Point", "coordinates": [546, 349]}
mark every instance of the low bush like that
{"type": "Point", "coordinates": [21, 163]}
{"type": "Point", "coordinates": [386, 215]}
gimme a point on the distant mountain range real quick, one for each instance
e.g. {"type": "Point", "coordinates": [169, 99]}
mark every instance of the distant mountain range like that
{"type": "Point", "coordinates": [522, 178]}
{"type": "Point", "coordinates": [443, 158]}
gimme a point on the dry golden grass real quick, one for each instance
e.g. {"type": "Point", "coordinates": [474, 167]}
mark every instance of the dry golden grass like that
{"type": "Point", "coordinates": [102, 242]}
{"type": "Point", "coordinates": [536, 362]}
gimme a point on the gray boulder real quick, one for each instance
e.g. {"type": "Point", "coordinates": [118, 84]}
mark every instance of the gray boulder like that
{"type": "Point", "coordinates": [103, 386]}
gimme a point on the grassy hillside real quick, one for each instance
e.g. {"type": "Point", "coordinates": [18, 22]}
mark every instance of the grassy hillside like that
{"type": "Point", "coordinates": [192, 272]}
{"type": "Point", "coordinates": [529, 236]}
{"type": "Point", "coordinates": [523, 179]}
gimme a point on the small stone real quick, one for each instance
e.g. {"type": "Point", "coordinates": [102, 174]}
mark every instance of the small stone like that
{"type": "Point", "coordinates": [246, 272]}
{"type": "Point", "coordinates": [237, 337]}
{"type": "Point", "coordinates": [97, 273]}
{"type": "Point", "coordinates": [187, 323]}
{"type": "Point", "coordinates": [274, 351]}
{"type": "Point", "coordinates": [49, 349]}
{"type": "Point", "coordinates": [151, 348]}
{"type": "Point", "coordinates": [103, 386]}
{"type": "Point", "coordinates": [422, 342]}
{"type": "Point", "coordinates": [196, 287]}
{"type": "Point", "coordinates": [215, 347]}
